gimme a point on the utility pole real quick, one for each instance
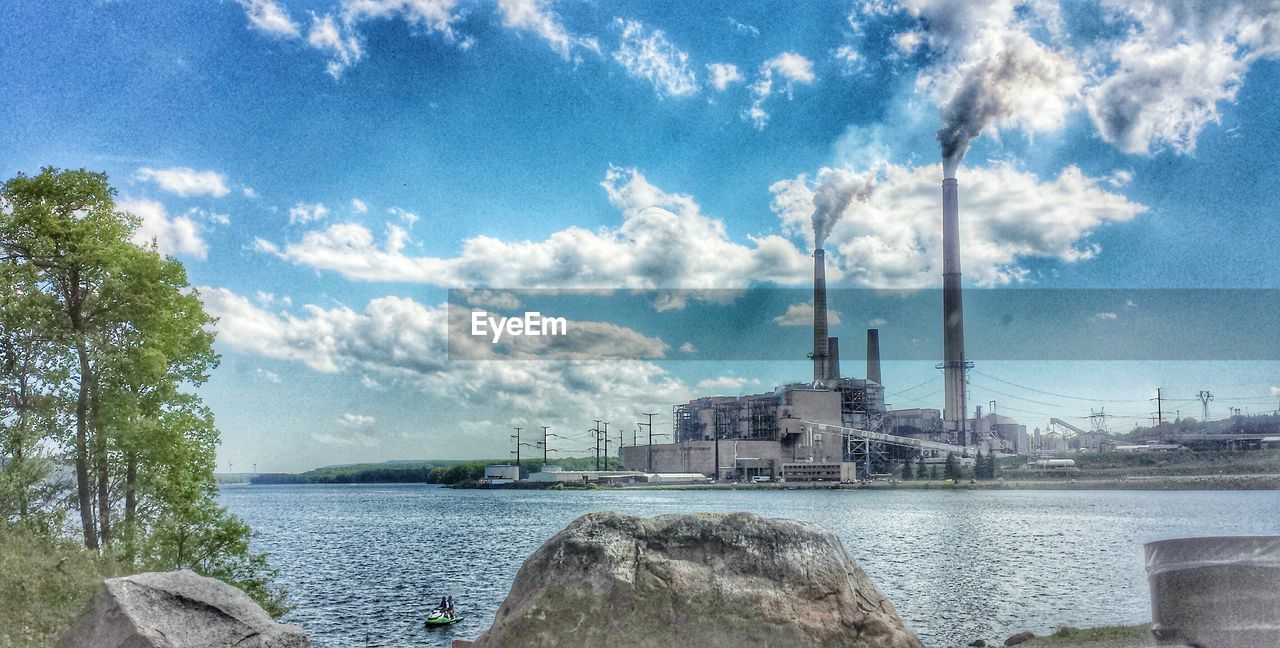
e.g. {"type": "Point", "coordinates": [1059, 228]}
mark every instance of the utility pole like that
{"type": "Point", "coordinates": [544, 444]}
{"type": "Point", "coordinates": [1205, 396]}
{"type": "Point", "coordinates": [605, 434]}
{"type": "Point", "coordinates": [1159, 399]}
{"type": "Point", "coordinates": [650, 424]}
{"type": "Point", "coordinates": [516, 436]}
{"type": "Point", "coordinates": [596, 430]}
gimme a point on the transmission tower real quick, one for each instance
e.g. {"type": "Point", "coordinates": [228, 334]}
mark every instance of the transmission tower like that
{"type": "Point", "coordinates": [1205, 397]}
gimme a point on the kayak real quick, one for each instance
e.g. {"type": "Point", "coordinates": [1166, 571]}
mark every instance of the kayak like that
{"type": "Point", "coordinates": [436, 620]}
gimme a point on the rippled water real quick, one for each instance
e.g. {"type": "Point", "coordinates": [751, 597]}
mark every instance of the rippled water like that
{"type": "Point", "coordinates": [364, 563]}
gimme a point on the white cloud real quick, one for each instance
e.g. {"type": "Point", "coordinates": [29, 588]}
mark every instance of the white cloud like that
{"type": "Point", "coordinates": [1120, 178]}
{"type": "Point", "coordinates": [744, 28]}
{"type": "Point", "coordinates": [249, 192]}
{"type": "Point", "coordinates": [304, 213]}
{"type": "Point", "coordinates": [892, 240]}
{"type": "Point", "coordinates": [723, 385]}
{"type": "Point", "coordinates": [1107, 316]}
{"type": "Point", "coordinates": [664, 241]}
{"type": "Point", "coordinates": [408, 217]}
{"type": "Point", "coordinates": [430, 15]}
{"type": "Point", "coordinates": [326, 36]}
{"type": "Point", "coordinates": [359, 206]}
{"type": "Point", "coordinates": [792, 68]}
{"type": "Point", "coordinates": [647, 54]}
{"type": "Point", "coordinates": [397, 339]}
{"type": "Point", "coordinates": [186, 182]}
{"type": "Point", "coordinates": [688, 347]}
{"type": "Point", "coordinates": [722, 75]}
{"type": "Point", "coordinates": [802, 315]}
{"type": "Point", "coordinates": [536, 16]}
{"type": "Point", "coordinates": [269, 376]}
{"type": "Point", "coordinates": [356, 420]}
{"type": "Point", "coordinates": [877, 322]}
{"type": "Point", "coordinates": [849, 58]}
{"type": "Point", "coordinates": [369, 383]}
{"type": "Point", "coordinates": [1275, 391]}
{"type": "Point", "coordinates": [492, 299]}
{"type": "Point", "coordinates": [1179, 60]}
{"type": "Point", "coordinates": [178, 235]}
{"type": "Point", "coordinates": [269, 17]}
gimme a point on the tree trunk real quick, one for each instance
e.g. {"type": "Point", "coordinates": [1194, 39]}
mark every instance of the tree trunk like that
{"type": "Point", "coordinates": [130, 502]}
{"type": "Point", "coordinates": [83, 496]}
{"type": "Point", "coordinates": [102, 468]}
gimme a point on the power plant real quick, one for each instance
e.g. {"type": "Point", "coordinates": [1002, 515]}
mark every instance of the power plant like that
{"type": "Point", "coordinates": [833, 427]}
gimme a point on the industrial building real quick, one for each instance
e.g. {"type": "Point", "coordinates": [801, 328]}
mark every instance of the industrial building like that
{"type": "Point", "coordinates": [835, 427]}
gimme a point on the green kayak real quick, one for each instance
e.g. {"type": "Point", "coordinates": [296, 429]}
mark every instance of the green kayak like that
{"type": "Point", "coordinates": [436, 620]}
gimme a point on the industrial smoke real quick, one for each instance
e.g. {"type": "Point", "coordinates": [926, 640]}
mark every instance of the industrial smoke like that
{"type": "Point", "coordinates": [831, 197]}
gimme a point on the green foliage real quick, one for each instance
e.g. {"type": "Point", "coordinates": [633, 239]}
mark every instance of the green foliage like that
{"type": "Point", "coordinates": [101, 345]}
{"type": "Point", "coordinates": [921, 471]}
{"type": "Point", "coordinates": [45, 581]}
{"type": "Point", "coordinates": [951, 469]}
{"type": "Point", "coordinates": [421, 472]}
{"type": "Point", "coordinates": [907, 469]}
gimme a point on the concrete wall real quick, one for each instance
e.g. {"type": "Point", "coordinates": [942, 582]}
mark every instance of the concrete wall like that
{"type": "Point", "coordinates": [699, 456]}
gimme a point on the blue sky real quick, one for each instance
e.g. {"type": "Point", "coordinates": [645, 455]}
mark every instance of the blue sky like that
{"type": "Point", "coordinates": [328, 170]}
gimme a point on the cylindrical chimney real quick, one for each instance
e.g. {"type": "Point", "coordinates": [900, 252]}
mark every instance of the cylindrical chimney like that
{"type": "Point", "coordinates": [953, 313]}
{"type": "Point", "coordinates": [833, 359]}
{"type": "Point", "coordinates": [819, 316]}
{"type": "Point", "coordinates": [873, 355]}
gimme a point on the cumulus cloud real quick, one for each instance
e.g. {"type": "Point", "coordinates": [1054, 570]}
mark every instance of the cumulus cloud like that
{"type": "Point", "coordinates": [186, 182]}
{"type": "Point", "coordinates": [429, 15]}
{"type": "Point", "coordinates": [893, 240]}
{"type": "Point", "coordinates": [802, 315]}
{"type": "Point", "coordinates": [688, 347]}
{"type": "Point", "coordinates": [792, 68]}
{"type": "Point", "coordinates": [723, 75]}
{"type": "Point", "coordinates": [664, 241]}
{"type": "Point", "coordinates": [359, 206]}
{"type": "Point", "coordinates": [304, 213]}
{"type": "Point", "coordinates": [177, 235]}
{"type": "Point", "coordinates": [647, 54]}
{"type": "Point", "coordinates": [269, 376]}
{"type": "Point", "coordinates": [269, 17]}
{"type": "Point", "coordinates": [344, 49]}
{"type": "Point", "coordinates": [400, 340]}
{"type": "Point", "coordinates": [848, 57]}
{"type": "Point", "coordinates": [408, 217]}
{"type": "Point", "coordinates": [536, 17]}
{"type": "Point", "coordinates": [1107, 316]}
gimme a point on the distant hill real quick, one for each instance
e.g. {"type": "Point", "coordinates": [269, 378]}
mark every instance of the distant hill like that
{"type": "Point", "coordinates": [429, 471]}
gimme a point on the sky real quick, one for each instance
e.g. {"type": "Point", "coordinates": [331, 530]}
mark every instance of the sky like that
{"type": "Point", "coordinates": [330, 170]}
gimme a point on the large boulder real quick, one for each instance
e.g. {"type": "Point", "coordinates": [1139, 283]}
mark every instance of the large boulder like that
{"type": "Point", "coordinates": [176, 610]}
{"type": "Point", "coordinates": [705, 580]}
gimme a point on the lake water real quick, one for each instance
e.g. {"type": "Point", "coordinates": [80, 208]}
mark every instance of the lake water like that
{"type": "Point", "coordinates": [363, 563]}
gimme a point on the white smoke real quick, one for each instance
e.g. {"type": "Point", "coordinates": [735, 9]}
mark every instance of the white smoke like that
{"type": "Point", "coordinates": [1021, 84]}
{"type": "Point", "coordinates": [835, 190]}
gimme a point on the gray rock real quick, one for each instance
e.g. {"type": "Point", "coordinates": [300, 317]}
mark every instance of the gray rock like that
{"type": "Point", "coordinates": [706, 580]}
{"type": "Point", "coordinates": [177, 610]}
{"type": "Point", "coordinates": [1021, 637]}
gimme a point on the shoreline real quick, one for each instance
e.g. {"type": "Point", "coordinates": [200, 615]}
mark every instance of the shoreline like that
{"type": "Point", "coordinates": [1169, 482]}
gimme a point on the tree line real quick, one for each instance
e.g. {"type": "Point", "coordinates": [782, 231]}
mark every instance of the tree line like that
{"type": "Point", "coordinates": [103, 344]}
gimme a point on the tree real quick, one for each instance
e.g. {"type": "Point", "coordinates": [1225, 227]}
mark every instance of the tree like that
{"type": "Point", "coordinates": [991, 466]}
{"type": "Point", "coordinates": [979, 467]}
{"type": "Point", "coordinates": [907, 468]}
{"type": "Point", "coordinates": [950, 470]}
{"type": "Point", "coordinates": [921, 471]}
{"type": "Point", "coordinates": [62, 227]}
{"type": "Point", "coordinates": [933, 472]}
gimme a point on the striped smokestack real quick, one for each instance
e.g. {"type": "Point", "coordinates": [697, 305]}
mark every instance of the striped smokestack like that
{"type": "Point", "coordinates": [952, 313]}
{"type": "Point", "coordinates": [873, 356]}
{"type": "Point", "coordinates": [819, 316]}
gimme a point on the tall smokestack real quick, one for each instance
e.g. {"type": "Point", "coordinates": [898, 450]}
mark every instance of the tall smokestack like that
{"type": "Point", "coordinates": [819, 316]}
{"type": "Point", "coordinates": [953, 312]}
{"type": "Point", "coordinates": [833, 359]}
{"type": "Point", "coordinates": [873, 356]}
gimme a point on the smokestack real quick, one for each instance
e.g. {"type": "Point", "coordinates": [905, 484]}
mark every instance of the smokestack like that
{"type": "Point", "coordinates": [953, 313]}
{"type": "Point", "coordinates": [819, 316]}
{"type": "Point", "coordinates": [873, 356]}
{"type": "Point", "coordinates": [833, 358]}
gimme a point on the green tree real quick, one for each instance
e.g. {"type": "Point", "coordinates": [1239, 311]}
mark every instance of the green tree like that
{"type": "Point", "coordinates": [933, 472]}
{"type": "Point", "coordinates": [979, 466]}
{"type": "Point", "coordinates": [63, 228]}
{"type": "Point", "coordinates": [951, 470]}
{"type": "Point", "coordinates": [991, 466]}
{"type": "Point", "coordinates": [907, 469]}
{"type": "Point", "coordinates": [921, 471]}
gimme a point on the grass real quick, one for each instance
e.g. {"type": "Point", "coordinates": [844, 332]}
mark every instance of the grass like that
{"type": "Point", "coordinates": [44, 585]}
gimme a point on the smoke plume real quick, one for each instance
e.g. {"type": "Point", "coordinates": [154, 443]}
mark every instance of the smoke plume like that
{"type": "Point", "coordinates": [836, 188]}
{"type": "Point", "coordinates": [1023, 85]}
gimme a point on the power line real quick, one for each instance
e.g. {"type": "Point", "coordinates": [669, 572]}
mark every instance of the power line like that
{"type": "Point", "coordinates": [1049, 393]}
